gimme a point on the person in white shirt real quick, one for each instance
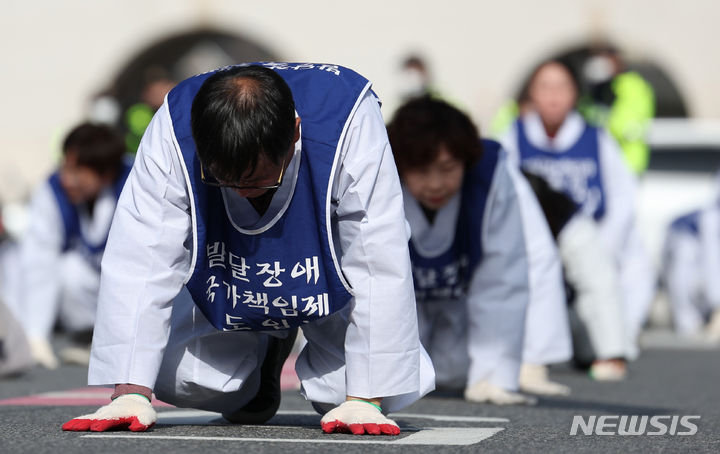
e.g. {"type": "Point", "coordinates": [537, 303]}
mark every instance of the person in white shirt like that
{"type": "Point", "coordinates": [691, 263]}
{"type": "Point", "coordinates": [553, 141]}
{"type": "Point", "coordinates": [60, 252]}
{"type": "Point", "coordinates": [264, 198]}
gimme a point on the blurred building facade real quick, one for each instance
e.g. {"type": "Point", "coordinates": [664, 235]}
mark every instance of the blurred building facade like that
{"type": "Point", "coordinates": [59, 55]}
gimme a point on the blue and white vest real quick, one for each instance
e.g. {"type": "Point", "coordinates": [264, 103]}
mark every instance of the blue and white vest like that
{"type": "Point", "coordinates": [285, 274]}
{"type": "Point", "coordinates": [73, 237]}
{"type": "Point", "coordinates": [447, 275]}
{"type": "Point", "coordinates": [576, 171]}
{"type": "Point", "coordinates": [688, 223]}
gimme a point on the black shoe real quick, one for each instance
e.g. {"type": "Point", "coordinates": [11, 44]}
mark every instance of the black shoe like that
{"type": "Point", "coordinates": [321, 408]}
{"type": "Point", "coordinates": [266, 402]}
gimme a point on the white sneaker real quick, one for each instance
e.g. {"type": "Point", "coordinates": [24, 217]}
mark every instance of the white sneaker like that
{"type": "Point", "coordinates": [712, 329]}
{"type": "Point", "coordinates": [484, 391]}
{"type": "Point", "coordinates": [608, 370]}
{"type": "Point", "coordinates": [534, 379]}
{"type": "Point", "coordinates": [42, 353]}
{"type": "Point", "coordinates": [76, 355]}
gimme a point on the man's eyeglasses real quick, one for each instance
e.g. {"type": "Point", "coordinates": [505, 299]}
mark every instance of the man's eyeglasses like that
{"type": "Point", "coordinates": [212, 182]}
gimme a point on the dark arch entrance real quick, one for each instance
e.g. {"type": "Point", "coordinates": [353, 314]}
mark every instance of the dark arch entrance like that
{"type": "Point", "coordinates": [180, 56]}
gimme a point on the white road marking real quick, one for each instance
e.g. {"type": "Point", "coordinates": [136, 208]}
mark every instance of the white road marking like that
{"type": "Point", "coordinates": [446, 436]}
{"type": "Point", "coordinates": [76, 394]}
{"type": "Point", "coordinates": [449, 436]}
{"type": "Point", "coordinates": [449, 418]}
{"type": "Point", "coordinates": [207, 417]}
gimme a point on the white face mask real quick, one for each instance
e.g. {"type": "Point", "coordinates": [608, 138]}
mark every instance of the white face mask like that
{"type": "Point", "coordinates": [412, 83]}
{"type": "Point", "coordinates": [104, 109]}
{"type": "Point", "coordinates": [598, 69]}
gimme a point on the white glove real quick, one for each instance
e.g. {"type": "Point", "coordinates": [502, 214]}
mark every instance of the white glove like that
{"type": "Point", "coordinates": [42, 353]}
{"type": "Point", "coordinates": [358, 417]}
{"type": "Point", "coordinates": [129, 411]}
{"type": "Point", "coordinates": [534, 379]}
{"type": "Point", "coordinates": [484, 391]}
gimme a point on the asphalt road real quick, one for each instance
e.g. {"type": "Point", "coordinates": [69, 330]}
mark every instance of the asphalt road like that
{"type": "Point", "coordinates": [670, 378]}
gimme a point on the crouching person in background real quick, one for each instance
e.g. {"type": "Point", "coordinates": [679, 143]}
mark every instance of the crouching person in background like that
{"type": "Point", "coordinates": [60, 252]}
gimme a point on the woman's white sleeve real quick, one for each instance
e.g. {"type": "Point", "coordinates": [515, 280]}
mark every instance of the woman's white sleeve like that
{"type": "Point", "coordinates": [499, 290]}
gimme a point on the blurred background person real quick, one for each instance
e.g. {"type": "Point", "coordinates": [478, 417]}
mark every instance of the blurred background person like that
{"type": "Point", "coordinates": [691, 268]}
{"type": "Point", "coordinates": [138, 116]}
{"type": "Point", "coordinates": [598, 326]}
{"type": "Point", "coordinates": [480, 257]}
{"type": "Point", "coordinates": [467, 250]}
{"type": "Point", "coordinates": [414, 79]}
{"type": "Point", "coordinates": [9, 271]}
{"type": "Point", "coordinates": [60, 253]}
{"type": "Point", "coordinates": [621, 101]}
{"type": "Point", "coordinates": [15, 354]}
{"type": "Point", "coordinates": [553, 141]}
{"type": "Point", "coordinates": [611, 95]}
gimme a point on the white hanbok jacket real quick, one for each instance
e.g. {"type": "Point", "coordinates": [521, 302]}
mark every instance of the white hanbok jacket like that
{"type": "Point", "coordinates": [150, 333]}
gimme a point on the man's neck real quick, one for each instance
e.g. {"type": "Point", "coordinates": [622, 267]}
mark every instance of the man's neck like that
{"type": "Point", "coordinates": [262, 203]}
{"type": "Point", "coordinates": [430, 215]}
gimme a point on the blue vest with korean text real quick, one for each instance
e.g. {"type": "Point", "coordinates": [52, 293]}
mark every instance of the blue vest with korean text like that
{"type": "Point", "coordinates": [688, 223]}
{"type": "Point", "coordinates": [283, 275]}
{"type": "Point", "coordinates": [73, 237]}
{"type": "Point", "coordinates": [576, 171]}
{"type": "Point", "coordinates": [447, 276]}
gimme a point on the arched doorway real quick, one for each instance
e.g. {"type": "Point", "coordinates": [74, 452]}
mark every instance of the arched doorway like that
{"type": "Point", "coordinates": [181, 56]}
{"type": "Point", "coordinates": [137, 91]}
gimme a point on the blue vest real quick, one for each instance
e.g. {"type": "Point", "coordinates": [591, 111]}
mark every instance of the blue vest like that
{"type": "Point", "coordinates": [575, 171]}
{"type": "Point", "coordinates": [447, 276]}
{"type": "Point", "coordinates": [286, 275]}
{"type": "Point", "coordinates": [688, 223]}
{"type": "Point", "coordinates": [73, 237]}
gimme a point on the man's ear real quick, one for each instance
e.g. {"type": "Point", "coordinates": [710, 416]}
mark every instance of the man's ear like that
{"type": "Point", "coordinates": [297, 130]}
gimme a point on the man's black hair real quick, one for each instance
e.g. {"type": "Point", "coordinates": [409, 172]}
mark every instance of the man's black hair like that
{"type": "Point", "coordinates": [422, 125]}
{"type": "Point", "coordinates": [238, 114]}
{"type": "Point", "coordinates": [98, 147]}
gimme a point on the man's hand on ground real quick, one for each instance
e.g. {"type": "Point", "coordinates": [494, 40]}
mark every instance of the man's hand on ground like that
{"type": "Point", "coordinates": [358, 417]}
{"type": "Point", "coordinates": [129, 411]}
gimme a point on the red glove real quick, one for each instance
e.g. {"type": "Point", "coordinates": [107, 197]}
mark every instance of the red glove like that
{"type": "Point", "coordinates": [129, 411]}
{"type": "Point", "coordinates": [358, 417]}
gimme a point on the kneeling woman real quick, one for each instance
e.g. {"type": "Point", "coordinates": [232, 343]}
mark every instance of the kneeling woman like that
{"type": "Point", "coordinates": [468, 211]}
